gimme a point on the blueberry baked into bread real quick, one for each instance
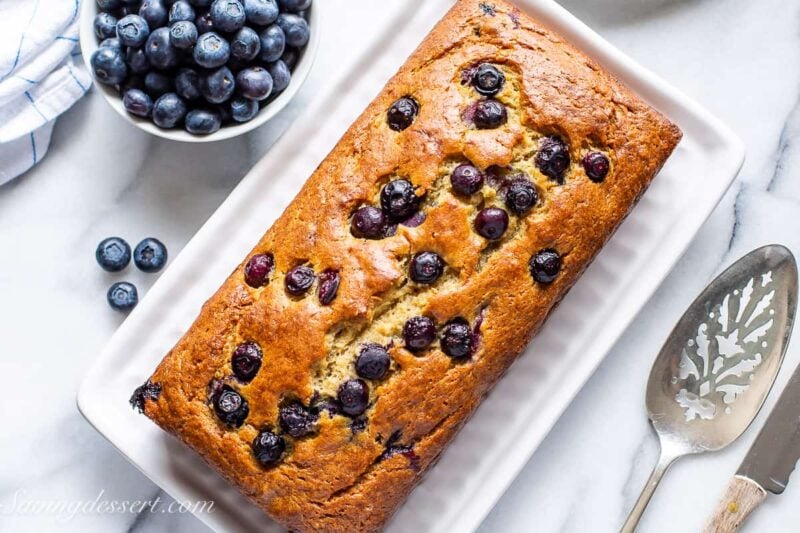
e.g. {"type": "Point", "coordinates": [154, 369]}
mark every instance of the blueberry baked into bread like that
{"type": "Point", "coordinates": [335, 364]}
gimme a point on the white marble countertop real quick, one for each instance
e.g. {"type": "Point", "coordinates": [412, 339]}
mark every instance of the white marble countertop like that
{"type": "Point", "coordinates": [741, 59]}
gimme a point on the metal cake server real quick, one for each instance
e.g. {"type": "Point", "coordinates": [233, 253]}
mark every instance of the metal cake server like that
{"type": "Point", "coordinates": [767, 466]}
{"type": "Point", "coordinates": [720, 361]}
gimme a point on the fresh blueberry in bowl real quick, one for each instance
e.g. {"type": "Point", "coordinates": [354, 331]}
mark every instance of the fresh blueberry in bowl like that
{"type": "Point", "coordinates": [218, 85]}
{"type": "Point", "coordinates": [111, 42]}
{"type": "Point", "coordinates": [132, 30]}
{"type": "Point", "coordinates": [187, 84]}
{"type": "Point", "coordinates": [181, 10]}
{"type": "Point", "coordinates": [268, 448]}
{"type": "Point", "coordinates": [150, 255]}
{"type": "Point", "coordinates": [108, 65]}
{"type": "Point", "coordinates": [281, 75]}
{"type": "Point", "coordinates": [105, 26]}
{"type": "Point", "coordinates": [122, 296]}
{"type": "Point", "coordinates": [183, 34]}
{"type": "Point", "coordinates": [137, 61]}
{"type": "Point", "coordinates": [295, 6]}
{"type": "Point", "coordinates": [113, 254]}
{"type": "Point", "coordinates": [160, 51]}
{"type": "Point", "coordinates": [243, 109]}
{"type": "Point", "coordinates": [227, 15]}
{"type": "Point", "coordinates": [157, 84]}
{"type": "Point", "coordinates": [254, 83]}
{"type": "Point", "coordinates": [261, 12]}
{"type": "Point", "coordinates": [203, 121]}
{"type": "Point", "coordinates": [138, 103]}
{"type": "Point", "coordinates": [109, 5]}
{"type": "Point", "coordinates": [211, 50]}
{"type": "Point", "coordinates": [204, 23]}
{"type": "Point", "coordinates": [273, 43]}
{"type": "Point", "coordinates": [245, 45]}
{"type": "Point", "coordinates": [295, 28]}
{"type": "Point", "coordinates": [168, 110]}
{"type": "Point", "coordinates": [154, 12]}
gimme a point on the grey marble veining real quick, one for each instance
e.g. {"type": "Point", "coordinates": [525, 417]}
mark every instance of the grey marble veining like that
{"type": "Point", "coordinates": [741, 59]}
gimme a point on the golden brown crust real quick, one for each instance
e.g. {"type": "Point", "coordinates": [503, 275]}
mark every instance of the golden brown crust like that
{"type": "Point", "coordinates": [337, 479]}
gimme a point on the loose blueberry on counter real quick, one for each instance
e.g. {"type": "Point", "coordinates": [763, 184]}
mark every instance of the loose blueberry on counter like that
{"type": "Point", "coordinates": [183, 34]}
{"type": "Point", "coordinates": [150, 255]}
{"type": "Point", "coordinates": [398, 200]}
{"type": "Point", "coordinates": [553, 158]}
{"type": "Point", "coordinates": [328, 286]}
{"type": "Point", "coordinates": [108, 65]}
{"type": "Point", "coordinates": [203, 121]}
{"type": "Point", "coordinates": [372, 362]}
{"type": "Point", "coordinates": [466, 179]}
{"type": "Point", "coordinates": [204, 23]}
{"type": "Point", "coordinates": [157, 84]}
{"type": "Point", "coordinates": [521, 196]}
{"type": "Point", "coordinates": [154, 12]}
{"type": "Point", "coordinates": [299, 280]}
{"type": "Point", "coordinates": [489, 114]}
{"type": "Point", "coordinates": [295, 6]}
{"type": "Point", "coordinates": [137, 60]}
{"type": "Point", "coordinates": [218, 85]}
{"type": "Point", "coordinates": [295, 28]}
{"type": "Point", "coordinates": [457, 338]}
{"type": "Point", "coordinates": [231, 407]}
{"type": "Point", "coordinates": [596, 166]}
{"type": "Point", "coordinates": [273, 43]}
{"type": "Point", "coordinates": [296, 420]}
{"type": "Point", "coordinates": [105, 25]}
{"type": "Point", "coordinates": [545, 265]}
{"type": "Point", "coordinates": [245, 45]}
{"type": "Point", "coordinates": [491, 223]}
{"type": "Point", "coordinates": [187, 84]}
{"type": "Point", "coordinates": [122, 296]}
{"type": "Point", "coordinates": [254, 83]}
{"type": "Point", "coordinates": [426, 267]}
{"type": "Point", "coordinates": [168, 110]}
{"type": "Point", "coordinates": [227, 15]}
{"type": "Point", "coordinates": [261, 12]}
{"type": "Point", "coordinates": [402, 113]}
{"type": "Point", "coordinates": [160, 51]}
{"type": "Point", "coordinates": [368, 222]}
{"type": "Point", "coordinates": [258, 270]}
{"type": "Point", "coordinates": [137, 103]}
{"type": "Point", "coordinates": [246, 361]}
{"type": "Point", "coordinates": [211, 50]}
{"type": "Point", "coordinates": [353, 397]}
{"type": "Point", "coordinates": [418, 333]}
{"type": "Point", "coordinates": [181, 11]}
{"type": "Point", "coordinates": [113, 254]}
{"type": "Point", "coordinates": [488, 80]}
{"type": "Point", "coordinates": [132, 30]}
{"type": "Point", "coordinates": [281, 75]}
{"type": "Point", "coordinates": [268, 448]}
{"type": "Point", "coordinates": [242, 109]}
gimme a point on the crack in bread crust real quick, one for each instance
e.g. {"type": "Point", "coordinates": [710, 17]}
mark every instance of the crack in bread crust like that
{"type": "Point", "coordinates": [335, 479]}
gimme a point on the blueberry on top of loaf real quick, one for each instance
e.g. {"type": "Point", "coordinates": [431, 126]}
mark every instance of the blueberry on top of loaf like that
{"type": "Point", "coordinates": [333, 366]}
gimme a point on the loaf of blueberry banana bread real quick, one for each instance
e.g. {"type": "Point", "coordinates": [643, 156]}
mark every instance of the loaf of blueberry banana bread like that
{"type": "Point", "coordinates": [334, 365]}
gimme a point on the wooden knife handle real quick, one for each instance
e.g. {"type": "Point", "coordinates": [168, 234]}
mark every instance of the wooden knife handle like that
{"type": "Point", "coordinates": [741, 499]}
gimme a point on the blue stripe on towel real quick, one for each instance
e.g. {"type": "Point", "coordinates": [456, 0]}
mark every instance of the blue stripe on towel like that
{"type": "Point", "coordinates": [33, 147]}
{"type": "Point", "coordinates": [33, 103]}
{"type": "Point", "coordinates": [21, 40]}
{"type": "Point", "coordinates": [74, 77]}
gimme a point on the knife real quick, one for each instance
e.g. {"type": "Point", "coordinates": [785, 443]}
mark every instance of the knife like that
{"type": "Point", "coordinates": [767, 466]}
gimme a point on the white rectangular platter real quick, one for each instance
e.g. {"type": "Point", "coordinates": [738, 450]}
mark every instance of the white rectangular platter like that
{"type": "Point", "coordinates": [485, 457]}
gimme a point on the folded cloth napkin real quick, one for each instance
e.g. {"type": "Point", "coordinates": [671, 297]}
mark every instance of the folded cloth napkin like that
{"type": "Point", "coordinates": [41, 76]}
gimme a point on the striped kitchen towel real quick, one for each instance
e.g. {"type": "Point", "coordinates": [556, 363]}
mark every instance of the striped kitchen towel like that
{"type": "Point", "coordinates": [41, 76]}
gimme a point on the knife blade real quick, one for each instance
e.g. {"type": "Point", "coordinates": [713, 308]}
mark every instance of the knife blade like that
{"type": "Point", "coordinates": [768, 464]}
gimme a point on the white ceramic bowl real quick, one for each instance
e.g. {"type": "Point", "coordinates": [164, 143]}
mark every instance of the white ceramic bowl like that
{"type": "Point", "coordinates": [90, 43]}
